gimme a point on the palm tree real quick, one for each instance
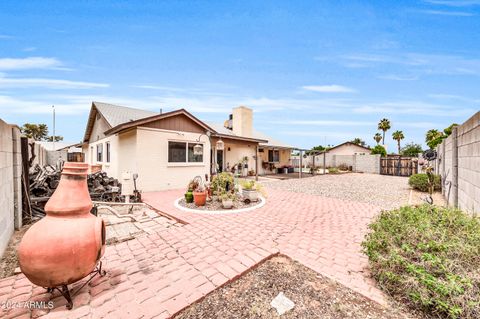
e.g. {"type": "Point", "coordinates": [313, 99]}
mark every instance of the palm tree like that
{"type": "Point", "coordinates": [384, 125]}
{"type": "Point", "coordinates": [433, 138]}
{"type": "Point", "coordinates": [398, 136]}
{"type": "Point", "coordinates": [377, 137]}
{"type": "Point", "coordinates": [358, 141]}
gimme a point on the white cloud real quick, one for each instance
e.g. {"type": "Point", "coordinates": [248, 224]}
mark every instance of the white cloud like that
{"type": "Point", "coordinates": [325, 123]}
{"type": "Point", "coordinates": [6, 82]}
{"type": "Point", "coordinates": [448, 13]}
{"type": "Point", "coordinates": [29, 63]}
{"type": "Point", "coordinates": [454, 3]}
{"type": "Point", "coordinates": [412, 108]}
{"type": "Point", "coordinates": [328, 88]}
{"type": "Point", "coordinates": [417, 63]}
{"type": "Point", "coordinates": [394, 77]}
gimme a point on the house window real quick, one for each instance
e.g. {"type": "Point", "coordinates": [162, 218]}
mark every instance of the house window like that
{"type": "Point", "coordinates": [99, 152]}
{"type": "Point", "coordinates": [108, 151]}
{"type": "Point", "coordinates": [192, 158]}
{"type": "Point", "coordinates": [273, 156]}
{"type": "Point", "coordinates": [179, 152]}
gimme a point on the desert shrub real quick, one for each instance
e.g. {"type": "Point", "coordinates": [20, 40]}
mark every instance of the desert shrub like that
{"type": "Point", "coordinates": [333, 170]}
{"type": "Point", "coordinates": [428, 257]}
{"type": "Point", "coordinates": [379, 149]}
{"type": "Point", "coordinates": [420, 182]}
{"type": "Point", "coordinates": [220, 181]}
{"type": "Point", "coordinates": [343, 167]}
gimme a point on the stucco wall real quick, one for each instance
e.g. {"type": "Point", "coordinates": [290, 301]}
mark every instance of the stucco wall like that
{"type": "Point", "coordinates": [10, 183]}
{"type": "Point", "coordinates": [154, 171]}
{"type": "Point", "coordinates": [461, 186]}
{"type": "Point", "coordinates": [99, 127]}
{"type": "Point", "coordinates": [111, 168]}
{"type": "Point", "coordinates": [234, 153]}
{"type": "Point", "coordinates": [360, 163]}
{"type": "Point", "coordinates": [285, 159]}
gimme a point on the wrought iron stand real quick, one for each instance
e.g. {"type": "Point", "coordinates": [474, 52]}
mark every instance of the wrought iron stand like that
{"type": "Point", "coordinates": [66, 292]}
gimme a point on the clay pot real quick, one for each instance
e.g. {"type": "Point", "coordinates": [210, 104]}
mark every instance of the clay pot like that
{"type": "Point", "coordinates": [200, 198]}
{"type": "Point", "coordinates": [67, 243]}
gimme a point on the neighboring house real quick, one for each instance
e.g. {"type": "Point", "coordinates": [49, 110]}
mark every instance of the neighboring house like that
{"type": "Point", "coordinates": [340, 154]}
{"type": "Point", "coordinates": [160, 147]}
{"type": "Point", "coordinates": [56, 151]}
{"type": "Point", "coordinates": [349, 148]}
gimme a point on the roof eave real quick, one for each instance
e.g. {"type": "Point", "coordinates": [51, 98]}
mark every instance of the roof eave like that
{"type": "Point", "coordinates": [241, 138]}
{"type": "Point", "coordinates": [127, 125]}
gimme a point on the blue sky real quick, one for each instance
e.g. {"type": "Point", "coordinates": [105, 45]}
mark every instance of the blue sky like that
{"type": "Point", "coordinates": [311, 70]}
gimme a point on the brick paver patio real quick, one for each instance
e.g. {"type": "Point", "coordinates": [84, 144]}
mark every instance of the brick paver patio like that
{"type": "Point", "coordinates": [158, 275]}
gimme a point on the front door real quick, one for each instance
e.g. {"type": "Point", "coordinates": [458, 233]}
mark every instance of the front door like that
{"type": "Point", "coordinates": [220, 160]}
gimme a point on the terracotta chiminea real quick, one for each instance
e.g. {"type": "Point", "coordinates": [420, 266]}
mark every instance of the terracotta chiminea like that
{"type": "Point", "coordinates": [66, 245]}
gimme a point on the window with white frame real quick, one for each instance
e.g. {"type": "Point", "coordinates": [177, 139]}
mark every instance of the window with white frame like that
{"type": "Point", "coordinates": [182, 152]}
{"type": "Point", "coordinates": [99, 152]}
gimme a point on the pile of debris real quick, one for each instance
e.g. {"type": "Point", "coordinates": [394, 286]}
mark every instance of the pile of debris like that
{"type": "Point", "coordinates": [44, 180]}
{"type": "Point", "coordinates": [103, 188]}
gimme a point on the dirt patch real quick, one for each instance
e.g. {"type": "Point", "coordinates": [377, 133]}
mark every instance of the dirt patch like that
{"type": "Point", "coordinates": [314, 296]}
{"type": "Point", "coordinates": [9, 261]}
{"type": "Point", "coordinates": [418, 198]}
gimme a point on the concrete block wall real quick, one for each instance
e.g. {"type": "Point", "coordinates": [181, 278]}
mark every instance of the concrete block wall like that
{"type": "Point", "coordinates": [459, 165]}
{"type": "Point", "coordinates": [367, 163]}
{"type": "Point", "coordinates": [360, 163]}
{"type": "Point", "coordinates": [10, 187]}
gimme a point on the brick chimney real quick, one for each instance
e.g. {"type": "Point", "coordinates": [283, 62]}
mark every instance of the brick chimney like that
{"type": "Point", "coordinates": [242, 122]}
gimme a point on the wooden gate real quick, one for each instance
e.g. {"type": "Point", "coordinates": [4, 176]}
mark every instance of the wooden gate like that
{"type": "Point", "coordinates": [398, 166]}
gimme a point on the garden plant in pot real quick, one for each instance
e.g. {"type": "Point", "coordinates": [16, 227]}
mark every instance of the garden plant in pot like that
{"type": "Point", "coordinates": [200, 196]}
{"type": "Point", "coordinates": [250, 191]}
{"type": "Point", "coordinates": [227, 200]}
{"type": "Point", "coordinates": [192, 186]}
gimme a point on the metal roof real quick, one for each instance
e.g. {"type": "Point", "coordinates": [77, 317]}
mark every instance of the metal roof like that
{"type": "Point", "coordinates": [116, 114]}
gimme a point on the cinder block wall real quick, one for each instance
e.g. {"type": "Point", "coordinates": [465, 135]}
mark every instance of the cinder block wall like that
{"type": "Point", "coordinates": [462, 183]}
{"type": "Point", "coordinates": [10, 182]}
{"type": "Point", "coordinates": [367, 163]}
{"type": "Point", "coordinates": [360, 163]}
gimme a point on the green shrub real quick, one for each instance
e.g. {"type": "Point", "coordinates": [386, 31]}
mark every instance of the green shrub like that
{"type": "Point", "coordinates": [429, 258]}
{"type": "Point", "coordinates": [220, 181]}
{"type": "Point", "coordinates": [420, 182]}
{"type": "Point", "coordinates": [379, 149]}
{"type": "Point", "coordinates": [333, 170]}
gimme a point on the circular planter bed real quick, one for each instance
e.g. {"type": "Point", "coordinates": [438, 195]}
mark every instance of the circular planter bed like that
{"type": "Point", "coordinates": [215, 207]}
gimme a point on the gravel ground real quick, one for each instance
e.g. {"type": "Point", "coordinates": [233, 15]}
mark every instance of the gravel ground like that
{"type": "Point", "coordinates": [314, 296]}
{"type": "Point", "coordinates": [9, 260]}
{"type": "Point", "coordinates": [384, 191]}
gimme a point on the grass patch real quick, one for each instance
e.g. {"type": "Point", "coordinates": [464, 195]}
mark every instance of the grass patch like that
{"type": "Point", "coordinates": [429, 258]}
{"type": "Point", "coordinates": [420, 182]}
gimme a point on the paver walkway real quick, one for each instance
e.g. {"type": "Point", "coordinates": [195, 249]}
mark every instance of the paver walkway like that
{"type": "Point", "coordinates": [160, 274]}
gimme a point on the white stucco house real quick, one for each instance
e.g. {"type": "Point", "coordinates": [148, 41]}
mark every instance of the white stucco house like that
{"type": "Point", "coordinates": [160, 147]}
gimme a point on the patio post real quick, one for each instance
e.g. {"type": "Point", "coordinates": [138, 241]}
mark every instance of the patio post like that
{"type": "Point", "coordinates": [256, 163]}
{"type": "Point", "coordinates": [313, 164]}
{"type": "Point", "coordinates": [301, 164]}
{"type": "Point", "coordinates": [324, 162]}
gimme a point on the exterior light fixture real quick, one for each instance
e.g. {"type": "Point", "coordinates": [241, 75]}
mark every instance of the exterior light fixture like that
{"type": "Point", "coordinates": [220, 145]}
{"type": "Point", "coordinates": [198, 149]}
